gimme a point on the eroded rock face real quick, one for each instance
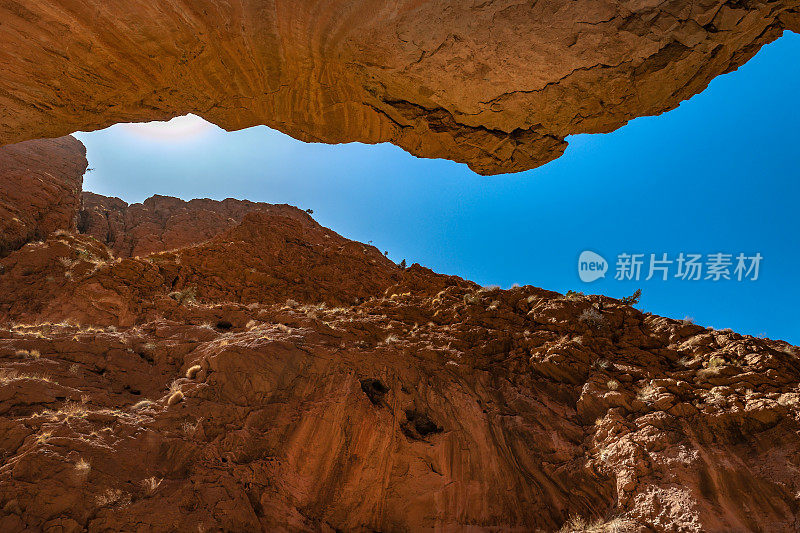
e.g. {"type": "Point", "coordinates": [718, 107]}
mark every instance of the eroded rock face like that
{"type": "Point", "coordinates": [497, 85]}
{"type": "Point", "coordinates": [277, 376]}
{"type": "Point", "coordinates": [260, 402]}
{"type": "Point", "coordinates": [164, 223]}
{"type": "Point", "coordinates": [40, 187]}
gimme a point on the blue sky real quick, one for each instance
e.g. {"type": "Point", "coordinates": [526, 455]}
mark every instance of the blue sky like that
{"type": "Point", "coordinates": [718, 174]}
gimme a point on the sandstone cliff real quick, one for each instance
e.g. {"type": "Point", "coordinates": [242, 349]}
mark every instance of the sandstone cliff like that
{"type": "Point", "coordinates": [40, 187]}
{"type": "Point", "coordinates": [497, 85]}
{"type": "Point", "coordinates": [277, 376]}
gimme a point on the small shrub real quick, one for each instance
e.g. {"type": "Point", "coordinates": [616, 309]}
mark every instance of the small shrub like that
{"type": "Point", "coordinates": [633, 299]}
{"type": "Point", "coordinates": [403, 264]}
{"type": "Point", "coordinates": [471, 299]}
{"type": "Point", "coordinates": [187, 295]}
{"type": "Point", "coordinates": [573, 295]}
{"type": "Point", "coordinates": [592, 317]}
{"type": "Point", "coordinates": [612, 385]}
{"type": "Point", "coordinates": [310, 211]}
{"type": "Point", "coordinates": [601, 363]}
{"type": "Point", "coordinates": [687, 321]}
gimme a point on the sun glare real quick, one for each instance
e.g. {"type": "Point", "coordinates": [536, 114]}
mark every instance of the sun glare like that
{"type": "Point", "coordinates": [177, 129]}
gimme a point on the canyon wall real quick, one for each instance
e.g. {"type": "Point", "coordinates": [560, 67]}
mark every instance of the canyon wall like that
{"type": "Point", "coordinates": [40, 188]}
{"type": "Point", "coordinates": [252, 370]}
{"type": "Point", "coordinates": [497, 85]}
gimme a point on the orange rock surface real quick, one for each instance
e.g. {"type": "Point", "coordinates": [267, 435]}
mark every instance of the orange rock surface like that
{"type": "Point", "coordinates": [40, 187]}
{"type": "Point", "coordinates": [254, 371]}
{"type": "Point", "coordinates": [164, 223]}
{"type": "Point", "coordinates": [497, 85]}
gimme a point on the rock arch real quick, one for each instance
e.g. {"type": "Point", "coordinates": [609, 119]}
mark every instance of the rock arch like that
{"type": "Point", "coordinates": [496, 85]}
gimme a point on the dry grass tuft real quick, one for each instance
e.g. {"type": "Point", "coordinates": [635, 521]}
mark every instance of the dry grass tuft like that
{"type": "Point", "coordinates": [713, 367]}
{"type": "Point", "coordinates": [7, 376]}
{"type": "Point", "coordinates": [716, 362]}
{"type": "Point", "coordinates": [175, 398]}
{"type": "Point", "coordinates": [144, 404]}
{"type": "Point", "coordinates": [577, 524]}
{"type": "Point", "coordinates": [67, 263]}
{"type": "Point", "coordinates": [391, 339]}
{"type": "Point", "coordinates": [43, 437]}
{"type": "Point", "coordinates": [72, 410]}
{"type": "Point", "coordinates": [82, 469]}
{"type": "Point", "coordinates": [112, 497]}
{"type": "Point", "coordinates": [647, 394]}
{"type": "Point", "coordinates": [150, 485]}
{"type": "Point", "coordinates": [190, 429]}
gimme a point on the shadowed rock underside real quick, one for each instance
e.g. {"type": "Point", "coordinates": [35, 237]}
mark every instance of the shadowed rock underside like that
{"type": "Point", "coordinates": [497, 85]}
